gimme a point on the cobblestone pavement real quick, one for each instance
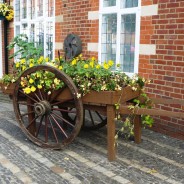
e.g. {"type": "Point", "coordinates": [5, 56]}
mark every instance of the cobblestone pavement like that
{"type": "Point", "coordinates": [157, 160]}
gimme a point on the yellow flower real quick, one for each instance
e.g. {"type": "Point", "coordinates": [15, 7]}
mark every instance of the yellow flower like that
{"type": "Point", "coordinates": [74, 61]}
{"type": "Point", "coordinates": [22, 83]}
{"type": "Point", "coordinates": [22, 61]}
{"type": "Point", "coordinates": [93, 59]}
{"type": "Point", "coordinates": [23, 68]}
{"type": "Point", "coordinates": [80, 56]}
{"type": "Point", "coordinates": [106, 66]}
{"type": "Point", "coordinates": [60, 67]}
{"type": "Point", "coordinates": [40, 59]}
{"type": "Point", "coordinates": [110, 62]}
{"type": "Point", "coordinates": [91, 64]}
{"type": "Point", "coordinates": [31, 80]}
{"type": "Point", "coordinates": [97, 66]}
{"type": "Point", "coordinates": [39, 86]}
{"type": "Point", "coordinates": [31, 60]}
{"type": "Point", "coordinates": [27, 90]}
{"type": "Point", "coordinates": [56, 81]}
{"type": "Point", "coordinates": [33, 88]}
{"type": "Point", "coordinates": [31, 65]}
{"type": "Point", "coordinates": [17, 64]}
{"type": "Point", "coordinates": [47, 59]}
{"type": "Point", "coordinates": [86, 66]}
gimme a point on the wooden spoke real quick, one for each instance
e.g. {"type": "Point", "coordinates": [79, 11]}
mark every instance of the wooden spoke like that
{"type": "Point", "coordinates": [40, 93]}
{"type": "Point", "coordinates": [64, 110]}
{"type": "Point", "coordinates": [27, 113]}
{"type": "Point", "coordinates": [33, 121]}
{"type": "Point", "coordinates": [38, 130]}
{"type": "Point", "coordinates": [93, 120]}
{"type": "Point", "coordinates": [91, 117]}
{"type": "Point", "coordinates": [46, 128]}
{"type": "Point", "coordinates": [99, 116]}
{"type": "Point", "coordinates": [54, 132]}
{"type": "Point", "coordinates": [25, 103]}
{"type": "Point", "coordinates": [55, 95]}
{"type": "Point", "coordinates": [60, 102]}
{"type": "Point", "coordinates": [28, 96]}
{"type": "Point", "coordinates": [37, 97]}
{"type": "Point", "coordinates": [63, 119]}
{"type": "Point", "coordinates": [59, 126]}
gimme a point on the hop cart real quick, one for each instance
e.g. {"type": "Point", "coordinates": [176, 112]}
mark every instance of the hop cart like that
{"type": "Point", "coordinates": [53, 120]}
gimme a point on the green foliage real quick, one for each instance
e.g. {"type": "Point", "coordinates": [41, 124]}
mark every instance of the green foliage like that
{"type": "Point", "coordinates": [127, 125]}
{"type": "Point", "coordinates": [8, 78]}
{"type": "Point", "coordinates": [25, 49]}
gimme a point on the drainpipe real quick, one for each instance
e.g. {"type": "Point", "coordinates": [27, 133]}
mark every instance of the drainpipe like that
{"type": "Point", "coordinates": [6, 40]}
{"type": "Point", "coordinates": [5, 45]}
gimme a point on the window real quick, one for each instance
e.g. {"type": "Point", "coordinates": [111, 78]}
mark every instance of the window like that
{"type": "Point", "coordinates": [119, 33]}
{"type": "Point", "coordinates": [35, 18]}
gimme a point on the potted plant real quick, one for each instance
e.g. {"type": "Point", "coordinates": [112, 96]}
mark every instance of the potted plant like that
{"type": "Point", "coordinates": [6, 12]}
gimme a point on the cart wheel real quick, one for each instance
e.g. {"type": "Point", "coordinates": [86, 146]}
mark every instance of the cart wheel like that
{"type": "Point", "coordinates": [93, 120]}
{"type": "Point", "coordinates": [38, 113]}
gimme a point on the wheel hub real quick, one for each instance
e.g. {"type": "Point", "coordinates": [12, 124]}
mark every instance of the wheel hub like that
{"type": "Point", "coordinates": [42, 108]}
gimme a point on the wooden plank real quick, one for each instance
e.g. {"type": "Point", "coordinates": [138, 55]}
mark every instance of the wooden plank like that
{"type": "Point", "coordinates": [137, 129]}
{"type": "Point", "coordinates": [154, 112]}
{"type": "Point", "coordinates": [167, 101]}
{"type": "Point", "coordinates": [111, 147]}
{"type": "Point", "coordinates": [111, 97]}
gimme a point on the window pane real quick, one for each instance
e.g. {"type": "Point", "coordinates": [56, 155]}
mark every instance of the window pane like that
{"type": "Point", "coordinates": [24, 9]}
{"type": "Point", "coordinates": [107, 3]}
{"type": "Point", "coordinates": [17, 32]}
{"type": "Point", "coordinates": [40, 8]}
{"type": "Point", "coordinates": [32, 33]}
{"type": "Point", "coordinates": [32, 9]}
{"type": "Point", "coordinates": [50, 8]}
{"type": "Point", "coordinates": [25, 29]}
{"type": "Point", "coordinates": [17, 10]}
{"type": "Point", "coordinates": [49, 40]}
{"type": "Point", "coordinates": [127, 42]}
{"type": "Point", "coordinates": [40, 35]}
{"type": "Point", "coordinates": [129, 3]}
{"type": "Point", "coordinates": [109, 31]}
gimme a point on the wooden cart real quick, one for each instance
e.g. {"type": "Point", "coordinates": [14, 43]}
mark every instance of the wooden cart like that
{"type": "Point", "coordinates": [54, 120]}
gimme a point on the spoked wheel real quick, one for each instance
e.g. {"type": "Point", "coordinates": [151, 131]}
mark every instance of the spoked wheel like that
{"type": "Point", "coordinates": [93, 120]}
{"type": "Point", "coordinates": [41, 115]}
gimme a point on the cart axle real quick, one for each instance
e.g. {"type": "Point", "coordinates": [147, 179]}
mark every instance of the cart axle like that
{"type": "Point", "coordinates": [42, 108]}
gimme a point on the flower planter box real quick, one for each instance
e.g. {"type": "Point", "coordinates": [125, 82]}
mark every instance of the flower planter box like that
{"type": "Point", "coordinates": [7, 89]}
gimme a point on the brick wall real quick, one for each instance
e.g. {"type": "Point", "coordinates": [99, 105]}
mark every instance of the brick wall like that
{"type": "Point", "coordinates": [166, 67]}
{"type": "Point", "coordinates": [75, 20]}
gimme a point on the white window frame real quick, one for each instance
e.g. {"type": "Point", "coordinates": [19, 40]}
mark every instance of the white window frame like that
{"type": "Point", "coordinates": [1, 51]}
{"type": "Point", "coordinates": [43, 19]}
{"type": "Point", "coordinates": [121, 11]}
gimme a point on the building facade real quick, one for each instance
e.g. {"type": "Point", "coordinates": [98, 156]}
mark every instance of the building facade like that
{"type": "Point", "coordinates": [141, 36]}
